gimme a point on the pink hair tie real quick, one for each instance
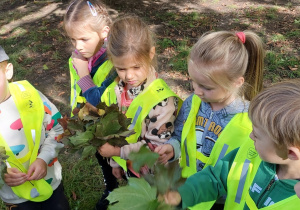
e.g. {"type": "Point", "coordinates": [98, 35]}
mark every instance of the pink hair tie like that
{"type": "Point", "coordinates": [241, 36]}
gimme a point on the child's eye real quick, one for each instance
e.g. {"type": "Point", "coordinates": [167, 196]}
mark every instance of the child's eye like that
{"type": "Point", "coordinates": [136, 67]}
{"type": "Point", "coordinates": [85, 40]}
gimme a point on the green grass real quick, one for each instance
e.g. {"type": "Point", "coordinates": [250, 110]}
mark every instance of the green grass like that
{"type": "Point", "coordinates": [180, 51]}
{"type": "Point", "coordinates": [82, 180]}
{"type": "Point", "coordinates": [179, 61]}
{"type": "Point", "coordinates": [281, 66]}
{"type": "Point", "coordinates": [278, 37]}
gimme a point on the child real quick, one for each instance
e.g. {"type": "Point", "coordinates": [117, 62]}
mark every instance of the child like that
{"type": "Point", "coordinates": [87, 24]}
{"type": "Point", "coordinates": [263, 172]}
{"type": "Point", "coordinates": [28, 131]}
{"type": "Point", "coordinates": [227, 70]}
{"type": "Point", "coordinates": [140, 94]}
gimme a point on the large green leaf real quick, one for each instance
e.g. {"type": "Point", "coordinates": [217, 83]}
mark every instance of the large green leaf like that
{"type": "Point", "coordinates": [124, 121]}
{"type": "Point", "coordinates": [118, 142]}
{"type": "Point", "coordinates": [143, 157]}
{"type": "Point", "coordinates": [137, 195]}
{"type": "Point", "coordinates": [81, 138]}
{"type": "Point", "coordinates": [108, 125]}
{"type": "Point", "coordinates": [88, 151]}
{"type": "Point", "coordinates": [166, 177]}
{"type": "Point", "coordinates": [3, 167]}
{"type": "Point", "coordinates": [75, 125]}
{"type": "Point", "coordinates": [94, 126]}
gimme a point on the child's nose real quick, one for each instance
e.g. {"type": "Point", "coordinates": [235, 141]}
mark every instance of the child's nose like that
{"type": "Point", "coordinates": [198, 91]}
{"type": "Point", "coordinates": [129, 74]}
{"type": "Point", "coordinates": [78, 45]}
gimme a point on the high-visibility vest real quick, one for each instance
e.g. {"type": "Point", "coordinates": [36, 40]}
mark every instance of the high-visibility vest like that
{"type": "Point", "coordinates": [140, 107]}
{"type": "Point", "coordinates": [240, 178]}
{"type": "Point", "coordinates": [31, 109]}
{"type": "Point", "coordinates": [109, 95]}
{"type": "Point", "coordinates": [98, 78]}
{"type": "Point", "coordinates": [233, 136]}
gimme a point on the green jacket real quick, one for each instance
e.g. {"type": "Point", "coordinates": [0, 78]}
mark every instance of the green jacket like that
{"type": "Point", "coordinates": [260, 189]}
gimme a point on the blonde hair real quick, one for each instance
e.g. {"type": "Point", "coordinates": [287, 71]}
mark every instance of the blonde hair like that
{"type": "Point", "coordinates": [79, 13]}
{"type": "Point", "coordinates": [223, 57]}
{"type": "Point", "coordinates": [277, 110]}
{"type": "Point", "coordinates": [129, 35]}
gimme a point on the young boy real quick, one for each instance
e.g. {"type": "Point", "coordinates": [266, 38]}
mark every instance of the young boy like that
{"type": "Point", "coordinates": [261, 173]}
{"type": "Point", "coordinates": [28, 129]}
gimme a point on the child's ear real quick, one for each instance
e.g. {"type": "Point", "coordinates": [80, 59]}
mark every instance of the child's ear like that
{"type": "Point", "coordinates": [152, 52]}
{"type": "Point", "coordinates": [104, 32]}
{"type": "Point", "coordinates": [239, 82]}
{"type": "Point", "coordinates": [9, 71]}
{"type": "Point", "coordinates": [293, 153]}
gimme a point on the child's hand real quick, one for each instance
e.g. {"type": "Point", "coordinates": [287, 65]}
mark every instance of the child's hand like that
{"type": "Point", "coordinates": [172, 198]}
{"type": "Point", "coordinates": [118, 172]}
{"type": "Point", "coordinates": [14, 177]}
{"type": "Point", "coordinates": [37, 170]}
{"type": "Point", "coordinates": [107, 150]}
{"type": "Point", "coordinates": [81, 64]}
{"type": "Point", "coordinates": [165, 151]}
{"type": "Point", "coordinates": [297, 189]}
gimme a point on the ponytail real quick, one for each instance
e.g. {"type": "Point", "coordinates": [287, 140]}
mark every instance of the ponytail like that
{"type": "Point", "coordinates": [254, 73]}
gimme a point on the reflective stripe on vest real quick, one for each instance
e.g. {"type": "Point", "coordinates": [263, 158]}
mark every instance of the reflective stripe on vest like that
{"type": "Point", "coordinates": [31, 109]}
{"type": "Point", "coordinates": [232, 136]}
{"type": "Point", "coordinates": [292, 202]}
{"type": "Point", "coordinates": [98, 78]}
{"type": "Point", "coordinates": [241, 175]}
{"type": "Point", "coordinates": [240, 178]}
{"type": "Point", "coordinates": [140, 107]}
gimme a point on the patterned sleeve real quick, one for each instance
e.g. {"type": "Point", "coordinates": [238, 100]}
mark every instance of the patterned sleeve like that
{"type": "Point", "coordinates": [159, 123]}
{"type": "Point", "coordinates": [157, 126]}
{"type": "Point", "coordinates": [49, 147]}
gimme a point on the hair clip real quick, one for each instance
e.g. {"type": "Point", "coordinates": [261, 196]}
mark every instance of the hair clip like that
{"type": "Point", "coordinates": [92, 8]}
{"type": "Point", "coordinates": [241, 36]}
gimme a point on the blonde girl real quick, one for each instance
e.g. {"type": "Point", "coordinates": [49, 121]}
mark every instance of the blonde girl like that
{"type": "Point", "coordinates": [87, 25]}
{"type": "Point", "coordinates": [139, 93]}
{"type": "Point", "coordinates": [226, 69]}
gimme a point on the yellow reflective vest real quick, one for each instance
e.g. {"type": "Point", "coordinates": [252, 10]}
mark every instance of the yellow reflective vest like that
{"type": "Point", "coordinates": [232, 137]}
{"type": "Point", "coordinates": [31, 109]}
{"type": "Point", "coordinates": [98, 78]}
{"type": "Point", "coordinates": [140, 107]}
{"type": "Point", "coordinates": [240, 178]}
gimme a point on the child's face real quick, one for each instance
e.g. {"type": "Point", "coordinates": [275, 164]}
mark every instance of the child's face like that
{"type": "Point", "coordinates": [4, 91]}
{"type": "Point", "coordinates": [86, 41]}
{"type": "Point", "coordinates": [131, 71]}
{"type": "Point", "coordinates": [265, 146]}
{"type": "Point", "coordinates": [207, 90]}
